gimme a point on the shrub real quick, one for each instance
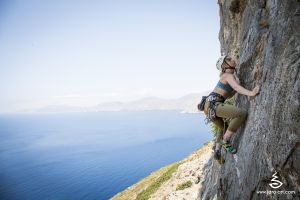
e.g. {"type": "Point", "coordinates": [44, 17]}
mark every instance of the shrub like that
{"type": "Point", "coordinates": [237, 6]}
{"type": "Point", "coordinates": [145, 194]}
{"type": "Point", "coordinates": [184, 185]}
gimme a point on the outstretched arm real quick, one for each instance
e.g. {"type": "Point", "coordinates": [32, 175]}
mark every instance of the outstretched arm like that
{"type": "Point", "coordinates": [241, 90]}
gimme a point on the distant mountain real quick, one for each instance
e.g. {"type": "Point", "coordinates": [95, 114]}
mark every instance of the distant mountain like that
{"type": "Point", "coordinates": [187, 103]}
{"type": "Point", "coordinates": [60, 108]}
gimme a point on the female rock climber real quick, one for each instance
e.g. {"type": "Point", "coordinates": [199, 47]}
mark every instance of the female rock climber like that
{"type": "Point", "coordinates": [215, 109]}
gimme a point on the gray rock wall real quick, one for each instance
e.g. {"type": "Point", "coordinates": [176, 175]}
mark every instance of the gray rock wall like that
{"type": "Point", "coordinates": [265, 36]}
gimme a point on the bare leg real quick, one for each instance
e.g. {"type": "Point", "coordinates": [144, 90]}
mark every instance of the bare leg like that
{"type": "Point", "coordinates": [218, 146]}
{"type": "Point", "coordinates": [227, 135]}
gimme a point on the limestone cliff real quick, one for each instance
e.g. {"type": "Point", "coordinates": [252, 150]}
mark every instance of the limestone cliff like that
{"type": "Point", "coordinates": [265, 37]}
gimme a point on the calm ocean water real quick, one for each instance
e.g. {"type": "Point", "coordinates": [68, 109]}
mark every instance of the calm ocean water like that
{"type": "Point", "coordinates": [86, 156]}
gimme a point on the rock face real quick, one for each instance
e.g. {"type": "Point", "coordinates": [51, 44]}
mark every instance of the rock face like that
{"type": "Point", "coordinates": [264, 35]}
{"type": "Point", "coordinates": [190, 170]}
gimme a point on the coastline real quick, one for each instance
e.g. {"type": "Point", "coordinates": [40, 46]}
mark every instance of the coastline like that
{"type": "Point", "coordinates": [179, 180]}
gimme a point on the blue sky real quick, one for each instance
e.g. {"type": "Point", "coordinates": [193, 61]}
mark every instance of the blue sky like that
{"type": "Point", "coordinates": [87, 52]}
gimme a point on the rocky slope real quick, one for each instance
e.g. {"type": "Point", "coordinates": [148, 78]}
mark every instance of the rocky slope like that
{"type": "Point", "coordinates": [265, 37]}
{"type": "Point", "coordinates": [185, 180]}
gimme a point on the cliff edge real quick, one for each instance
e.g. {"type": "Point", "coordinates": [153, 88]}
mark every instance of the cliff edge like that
{"type": "Point", "coordinates": [264, 35]}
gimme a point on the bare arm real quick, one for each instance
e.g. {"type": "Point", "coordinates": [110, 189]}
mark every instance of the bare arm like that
{"type": "Point", "coordinates": [241, 90]}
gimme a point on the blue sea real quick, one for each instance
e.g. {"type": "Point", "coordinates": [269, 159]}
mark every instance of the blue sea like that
{"type": "Point", "coordinates": [83, 156]}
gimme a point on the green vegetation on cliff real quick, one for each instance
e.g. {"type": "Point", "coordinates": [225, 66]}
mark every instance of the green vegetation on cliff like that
{"type": "Point", "coordinates": [145, 194]}
{"type": "Point", "coordinates": [184, 185]}
{"type": "Point", "coordinates": [143, 189]}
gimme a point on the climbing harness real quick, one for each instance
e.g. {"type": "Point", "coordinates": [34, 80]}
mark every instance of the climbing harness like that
{"type": "Point", "coordinates": [212, 99]}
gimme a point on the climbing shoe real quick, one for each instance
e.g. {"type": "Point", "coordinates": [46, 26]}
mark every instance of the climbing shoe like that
{"type": "Point", "coordinates": [218, 156]}
{"type": "Point", "coordinates": [228, 147]}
